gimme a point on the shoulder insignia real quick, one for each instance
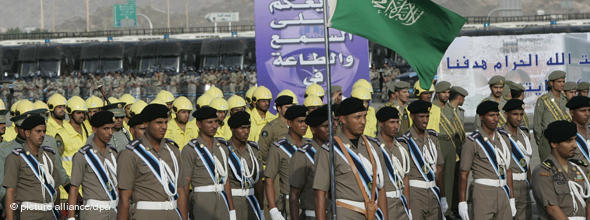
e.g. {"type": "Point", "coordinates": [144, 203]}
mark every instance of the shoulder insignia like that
{"type": "Point", "coordinates": [253, 144]}
{"type": "Point", "coordinates": [85, 148]}
{"type": "Point", "coordinates": [373, 140]}
{"type": "Point", "coordinates": [194, 142]}
{"type": "Point", "coordinates": [579, 162]}
{"type": "Point", "coordinates": [264, 133]}
{"type": "Point", "coordinates": [48, 149]}
{"type": "Point", "coordinates": [502, 131]}
{"type": "Point", "coordinates": [133, 144]}
{"type": "Point", "coordinates": [280, 141]}
{"type": "Point", "coordinates": [307, 140]}
{"type": "Point", "coordinates": [432, 132]}
{"type": "Point", "coordinates": [18, 151]}
{"type": "Point", "coordinates": [304, 148]}
{"type": "Point", "coordinates": [547, 164]}
{"type": "Point", "coordinates": [402, 140]}
{"type": "Point", "coordinates": [222, 141]}
{"type": "Point", "coordinates": [407, 135]}
{"type": "Point", "coordinates": [325, 147]}
{"type": "Point", "coordinates": [475, 134]}
{"type": "Point", "coordinates": [525, 129]}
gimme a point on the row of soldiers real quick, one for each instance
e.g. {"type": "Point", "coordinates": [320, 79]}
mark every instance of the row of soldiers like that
{"type": "Point", "coordinates": [395, 163]}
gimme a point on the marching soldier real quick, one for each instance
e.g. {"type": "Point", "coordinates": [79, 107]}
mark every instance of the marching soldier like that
{"type": "Point", "coordinates": [487, 154]}
{"type": "Point", "coordinates": [560, 183]}
{"type": "Point", "coordinates": [569, 90]}
{"type": "Point", "coordinates": [583, 88]}
{"type": "Point", "coordinates": [179, 128]}
{"type": "Point", "coordinates": [276, 128]}
{"type": "Point", "coordinates": [517, 92]}
{"type": "Point", "coordinates": [496, 84]}
{"type": "Point", "coordinates": [522, 151]}
{"type": "Point", "coordinates": [95, 167]}
{"type": "Point", "coordinates": [148, 172]}
{"type": "Point", "coordinates": [206, 169]}
{"type": "Point", "coordinates": [453, 114]}
{"type": "Point", "coordinates": [434, 111]}
{"type": "Point", "coordinates": [18, 87]}
{"type": "Point", "coordinates": [57, 107]}
{"type": "Point", "coordinates": [355, 155]}
{"type": "Point", "coordinates": [259, 114]}
{"type": "Point", "coordinates": [402, 94]}
{"type": "Point", "coordinates": [137, 127]}
{"type": "Point", "coordinates": [121, 136]}
{"type": "Point", "coordinates": [128, 100]}
{"type": "Point", "coordinates": [365, 95]}
{"type": "Point", "coordinates": [549, 107]}
{"type": "Point", "coordinates": [579, 107]}
{"type": "Point", "coordinates": [279, 160]}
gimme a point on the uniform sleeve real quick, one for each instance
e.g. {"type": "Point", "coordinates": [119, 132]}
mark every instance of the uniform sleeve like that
{"type": "Point", "coordinates": [321, 179]}
{"type": "Point", "coordinates": [537, 117]}
{"type": "Point", "coordinates": [60, 168]}
{"type": "Point", "coordinates": [543, 188]}
{"type": "Point", "coordinates": [273, 163]}
{"type": "Point", "coordinates": [126, 168]}
{"type": "Point", "coordinates": [264, 142]}
{"type": "Point", "coordinates": [188, 156]}
{"type": "Point", "coordinates": [11, 168]}
{"type": "Point", "coordinates": [78, 165]}
{"type": "Point", "coordinates": [467, 155]}
{"type": "Point", "coordinates": [439, 157]}
{"type": "Point", "coordinates": [297, 171]}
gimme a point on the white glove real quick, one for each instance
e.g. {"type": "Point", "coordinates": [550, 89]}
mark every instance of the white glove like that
{"type": "Point", "coordinates": [444, 205]}
{"type": "Point", "coordinates": [409, 214]}
{"type": "Point", "coordinates": [463, 212]}
{"type": "Point", "coordinates": [232, 214]}
{"type": "Point", "coordinates": [513, 206]}
{"type": "Point", "coordinates": [275, 214]}
{"type": "Point", "coordinates": [532, 195]}
{"type": "Point", "coordinates": [72, 218]}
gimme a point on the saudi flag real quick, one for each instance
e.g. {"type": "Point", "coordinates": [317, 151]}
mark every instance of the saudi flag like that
{"type": "Point", "coordinates": [419, 30]}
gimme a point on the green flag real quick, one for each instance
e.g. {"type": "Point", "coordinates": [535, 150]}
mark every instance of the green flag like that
{"type": "Point", "coordinates": [419, 30]}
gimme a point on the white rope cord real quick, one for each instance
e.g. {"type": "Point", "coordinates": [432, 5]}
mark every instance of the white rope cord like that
{"type": "Point", "coordinates": [577, 191]}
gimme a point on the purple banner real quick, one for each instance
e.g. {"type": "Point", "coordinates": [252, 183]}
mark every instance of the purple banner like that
{"type": "Point", "coordinates": [290, 52]}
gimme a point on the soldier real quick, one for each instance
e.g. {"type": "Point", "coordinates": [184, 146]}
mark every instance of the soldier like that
{"type": "Point", "coordinates": [279, 160]}
{"type": "Point", "coordinates": [30, 175]}
{"type": "Point", "coordinates": [560, 183]}
{"type": "Point", "coordinates": [128, 100]}
{"type": "Point", "coordinates": [517, 92]}
{"type": "Point", "coordinates": [496, 84]}
{"type": "Point", "coordinates": [549, 107]}
{"type": "Point", "coordinates": [435, 111]}
{"type": "Point", "coordinates": [487, 154]}
{"type": "Point", "coordinates": [166, 97]}
{"type": "Point", "coordinates": [222, 108]}
{"type": "Point", "coordinates": [57, 107]}
{"type": "Point", "coordinates": [148, 172]}
{"type": "Point", "coordinates": [397, 162]}
{"type": "Point", "coordinates": [336, 94]}
{"type": "Point", "coordinates": [443, 90]}
{"type": "Point", "coordinates": [179, 128]}
{"type": "Point", "coordinates": [275, 129]}
{"type": "Point", "coordinates": [356, 196]}
{"type": "Point", "coordinates": [579, 107]}
{"type": "Point", "coordinates": [206, 168]}
{"type": "Point", "coordinates": [246, 169]}
{"type": "Point", "coordinates": [583, 88]}
{"type": "Point", "coordinates": [249, 101]}
{"type": "Point", "coordinates": [401, 102]}
{"type": "Point", "coordinates": [3, 120]}
{"type": "Point", "coordinates": [137, 127]}
{"type": "Point", "coordinates": [260, 115]}
{"type": "Point", "coordinates": [365, 95]}
{"type": "Point", "coordinates": [569, 89]}
{"type": "Point", "coordinates": [94, 167]}
{"type": "Point", "coordinates": [94, 104]}
{"type": "Point", "coordinates": [391, 95]}
{"type": "Point", "coordinates": [121, 136]}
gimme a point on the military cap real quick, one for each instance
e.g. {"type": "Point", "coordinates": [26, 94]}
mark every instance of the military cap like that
{"type": "Point", "coordinates": [336, 88]}
{"type": "Point", "coordinates": [238, 119]}
{"type": "Point", "coordinates": [442, 86]}
{"type": "Point", "coordinates": [32, 121]}
{"type": "Point", "coordinates": [349, 106]}
{"type": "Point", "coordinates": [557, 74]}
{"type": "Point", "coordinates": [496, 80]}
{"type": "Point", "coordinates": [487, 106]}
{"type": "Point", "coordinates": [583, 86]}
{"type": "Point", "coordinates": [578, 102]}
{"type": "Point", "coordinates": [101, 118]}
{"type": "Point", "coordinates": [569, 86]}
{"type": "Point", "coordinates": [399, 85]}
{"type": "Point", "coordinates": [419, 106]}
{"type": "Point", "coordinates": [135, 120]}
{"type": "Point", "coordinates": [513, 104]}
{"type": "Point", "coordinates": [559, 131]}
{"type": "Point", "coordinates": [283, 100]}
{"type": "Point", "coordinates": [295, 111]}
{"type": "Point", "coordinates": [515, 86]}
{"type": "Point", "coordinates": [460, 90]}
{"type": "Point", "coordinates": [116, 109]}
{"type": "Point", "coordinates": [387, 113]}
{"type": "Point", "coordinates": [317, 117]}
{"type": "Point", "coordinates": [154, 111]}
{"type": "Point", "coordinates": [205, 113]}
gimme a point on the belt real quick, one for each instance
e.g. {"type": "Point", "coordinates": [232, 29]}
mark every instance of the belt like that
{"type": "Point", "coordinates": [36, 206]}
{"type": "Point", "coordinates": [209, 188]}
{"type": "Point", "coordinates": [352, 205]}
{"type": "Point", "coordinates": [149, 205]}
{"type": "Point", "coordinates": [576, 218]}
{"type": "Point", "coordinates": [519, 176]}
{"type": "Point", "coordinates": [242, 192]}
{"type": "Point", "coordinates": [491, 182]}
{"type": "Point", "coordinates": [422, 184]}
{"type": "Point", "coordinates": [309, 213]}
{"type": "Point", "coordinates": [393, 194]}
{"type": "Point", "coordinates": [102, 204]}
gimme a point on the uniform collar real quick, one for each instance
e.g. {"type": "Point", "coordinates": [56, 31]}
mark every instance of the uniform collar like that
{"type": "Point", "coordinates": [96, 149]}
{"type": "Point", "coordinates": [202, 141]}
{"type": "Point", "coordinates": [144, 141]}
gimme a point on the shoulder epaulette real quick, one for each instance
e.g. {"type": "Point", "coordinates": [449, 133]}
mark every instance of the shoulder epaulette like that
{"type": "Point", "coordinates": [502, 131]}
{"type": "Point", "coordinates": [48, 149]}
{"type": "Point", "coordinates": [402, 139]}
{"type": "Point", "coordinates": [222, 141]}
{"type": "Point", "coordinates": [85, 148]}
{"type": "Point", "coordinates": [133, 144]}
{"type": "Point", "coordinates": [325, 147]}
{"type": "Point", "coordinates": [432, 132]}
{"type": "Point", "coordinates": [194, 142]}
{"type": "Point", "coordinates": [473, 135]}
{"type": "Point", "coordinates": [579, 162]}
{"type": "Point", "coordinates": [547, 164]}
{"type": "Point", "coordinates": [304, 148]}
{"type": "Point", "coordinates": [170, 141]}
{"type": "Point", "coordinates": [407, 135]}
{"type": "Point", "coordinates": [253, 144]}
{"type": "Point", "coordinates": [18, 151]}
{"type": "Point", "coordinates": [524, 128]}
{"type": "Point", "coordinates": [373, 140]}
{"type": "Point", "coordinates": [280, 141]}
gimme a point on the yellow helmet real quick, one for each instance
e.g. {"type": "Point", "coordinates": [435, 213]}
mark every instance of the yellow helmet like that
{"type": "Point", "coordinates": [2, 105]}
{"type": "Point", "coordinates": [56, 100]}
{"type": "Point", "coordinates": [261, 92]}
{"type": "Point", "coordinates": [288, 92]}
{"type": "Point", "coordinates": [127, 98]}
{"type": "Point", "coordinates": [215, 92]}
{"type": "Point", "coordinates": [94, 102]}
{"type": "Point", "coordinates": [204, 100]}
{"type": "Point", "coordinates": [137, 107]}
{"type": "Point", "coordinates": [363, 83]}
{"type": "Point", "coordinates": [312, 101]}
{"type": "Point", "coordinates": [23, 107]}
{"type": "Point", "coordinates": [13, 108]}
{"type": "Point", "coordinates": [76, 104]}
{"type": "Point", "coordinates": [419, 90]}
{"type": "Point", "coordinates": [249, 93]}
{"type": "Point", "coordinates": [158, 101]}
{"type": "Point", "coordinates": [361, 93]}
{"type": "Point", "coordinates": [182, 103]}
{"type": "Point", "coordinates": [165, 96]}
{"type": "Point", "coordinates": [40, 105]}
{"type": "Point", "coordinates": [113, 100]}
{"type": "Point", "coordinates": [219, 104]}
{"type": "Point", "coordinates": [236, 101]}
{"type": "Point", "coordinates": [314, 90]}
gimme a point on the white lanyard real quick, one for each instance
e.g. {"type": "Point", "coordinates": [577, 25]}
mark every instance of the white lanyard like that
{"type": "Point", "coordinates": [167, 174]}
{"type": "Point", "coordinates": [578, 192]}
{"type": "Point", "coordinates": [45, 169]}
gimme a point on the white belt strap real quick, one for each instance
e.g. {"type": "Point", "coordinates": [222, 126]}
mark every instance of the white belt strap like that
{"type": "Point", "coordinates": [209, 188]}
{"type": "Point", "coordinates": [576, 218]}
{"type": "Point", "coordinates": [519, 176]}
{"type": "Point", "coordinates": [150, 205]}
{"type": "Point", "coordinates": [242, 192]}
{"type": "Point", "coordinates": [36, 206]}
{"type": "Point", "coordinates": [309, 213]}
{"type": "Point", "coordinates": [101, 204]}
{"type": "Point", "coordinates": [422, 184]}
{"type": "Point", "coordinates": [491, 182]}
{"type": "Point", "coordinates": [360, 205]}
{"type": "Point", "coordinates": [393, 194]}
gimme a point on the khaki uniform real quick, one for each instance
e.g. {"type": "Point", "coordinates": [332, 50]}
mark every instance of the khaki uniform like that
{"type": "Point", "coordinates": [488, 202]}
{"type": "Point", "coordinates": [205, 205]}
{"type": "Point", "coordinates": [134, 174]}
{"type": "Point", "coordinates": [19, 88]}
{"type": "Point", "coordinates": [395, 206]}
{"type": "Point", "coordinates": [450, 138]}
{"type": "Point", "coordinates": [301, 174]}
{"type": "Point", "coordinates": [120, 139]}
{"type": "Point", "coordinates": [548, 109]}
{"type": "Point", "coordinates": [270, 133]}
{"type": "Point", "coordinates": [84, 175]}
{"type": "Point", "coordinates": [20, 176]}
{"type": "Point", "coordinates": [520, 188]}
{"type": "Point", "coordinates": [586, 136]}
{"type": "Point", "coordinates": [241, 203]}
{"type": "Point", "coordinates": [550, 187]}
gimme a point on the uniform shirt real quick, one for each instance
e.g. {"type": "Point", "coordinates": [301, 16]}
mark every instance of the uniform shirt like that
{"type": "Point", "coordinates": [245, 154]}
{"type": "Point", "coordinates": [134, 174]}
{"type": "Point", "coordinates": [392, 150]}
{"type": "Point", "coordinates": [301, 174]}
{"type": "Point", "coordinates": [586, 136]}
{"type": "Point", "coordinates": [53, 127]}
{"type": "Point", "coordinates": [414, 173]}
{"type": "Point", "coordinates": [473, 157]}
{"type": "Point", "coordinates": [83, 174]}
{"type": "Point", "coordinates": [518, 137]}
{"type": "Point", "coordinates": [194, 167]}
{"type": "Point", "coordinates": [278, 163]}
{"type": "Point", "coordinates": [543, 116]}
{"type": "Point", "coordinates": [120, 139]}
{"type": "Point", "coordinates": [258, 123]}
{"type": "Point", "coordinates": [18, 175]}
{"type": "Point", "coordinates": [502, 117]}
{"type": "Point", "coordinates": [550, 186]}
{"type": "Point", "coordinates": [270, 133]}
{"type": "Point", "coordinates": [181, 137]}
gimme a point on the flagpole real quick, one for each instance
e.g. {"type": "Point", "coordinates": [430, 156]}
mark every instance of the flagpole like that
{"type": "Point", "coordinates": [330, 120]}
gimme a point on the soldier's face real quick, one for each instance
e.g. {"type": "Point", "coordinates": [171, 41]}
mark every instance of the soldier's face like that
{"type": "Point", "coordinates": [263, 104]}
{"type": "Point", "coordinates": [221, 115]}
{"type": "Point", "coordinates": [104, 133]}
{"type": "Point", "coordinates": [241, 133]}
{"type": "Point", "coordinates": [570, 94]}
{"type": "Point", "coordinates": [236, 110]}
{"type": "Point", "coordinates": [337, 97]}
{"type": "Point", "coordinates": [36, 135]}
{"type": "Point", "coordinates": [92, 111]}
{"type": "Point", "coordinates": [580, 115]}
{"type": "Point", "coordinates": [298, 126]}
{"type": "Point", "coordinates": [584, 93]}
{"type": "Point", "coordinates": [389, 127]}
{"type": "Point", "coordinates": [208, 127]}
{"type": "Point", "coordinates": [138, 130]}
{"type": "Point", "coordinates": [157, 128]}
{"type": "Point", "coordinates": [128, 111]}
{"type": "Point", "coordinates": [2, 128]}
{"type": "Point", "coordinates": [443, 96]}
{"type": "Point", "coordinates": [321, 132]}
{"type": "Point", "coordinates": [497, 90]}
{"type": "Point", "coordinates": [566, 149]}
{"type": "Point", "coordinates": [182, 116]}
{"type": "Point", "coordinates": [420, 120]}
{"type": "Point", "coordinates": [59, 112]}
{"type": "Point", "coordinates": [557, 84]}
{"type": "Point", "coordinates": [283, 109]}
{"type": "Point", "coordinates": [119, 122]}
{"type": "Point", "coordinates": [490, 120]}
{"type": "Point", "coordinates": [426, 96]}
{"type": "Point", "coordinates": [515, 117]}
{"type": "Point", "coordinates": [403, 95]}
{"type": "Point", "coordinates": [77, 117]}
{"type": "Point", "coordinates": [354, 123]}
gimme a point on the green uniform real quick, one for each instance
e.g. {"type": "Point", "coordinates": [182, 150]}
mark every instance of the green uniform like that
{"type": "Point", "coordinates": [119, 140]}
{"type": "Point", "coordinates": [548, 109]}
{"type": "Point", "coordinates": [450, 139]}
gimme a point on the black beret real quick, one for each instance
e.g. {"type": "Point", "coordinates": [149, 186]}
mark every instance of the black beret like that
{"type": "Point", "coordinates": [283, 100]}
{"type": "Point", "coordinates": [295, 112]}
{"type": "Point", "coordinates": [559, 131]}
{"type": "Point", "coordinates": [419, 106]}
{"type": "Point", "coordinates": [487, 106]}
{"type": "Point", "coordinates": [317, 117]}
{"type": "Point", "coordinates": [349, 106]}
{"type": "Point", "coordinates": [32, 121]}
{"type": "Point", "coordinates": [578, 102]}
{"type": "Point", "coordinates": [205, 113]}
{"type": "Point", "coordinates": [101, 118]}
{"type": "Point", "coordinates": [238, 119]}
{"type": "Point", "coordinates": [154, 111]}
{"type": "Point", "coordinates": [387, 113]}
{"type": "Point", "coordinates": [513, 104]}
{"type": "Point", "coordinates": [135, 120]}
